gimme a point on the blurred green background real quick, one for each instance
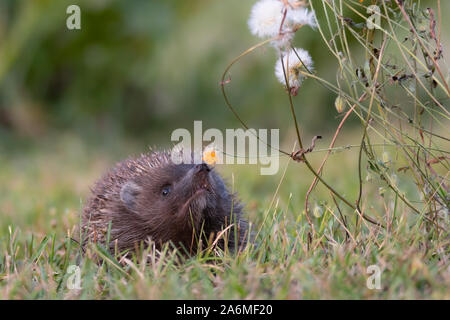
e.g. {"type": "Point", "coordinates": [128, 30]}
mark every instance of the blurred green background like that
{"type": "Point", "coordinates": [139, 68]}
{"type": "Point", "coordinates": [143, 68]}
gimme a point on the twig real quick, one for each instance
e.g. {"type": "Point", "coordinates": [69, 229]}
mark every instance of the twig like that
{"type": "Point", "coordinates": [299, 155]}
{"type": "Point", "coordinates": [405, 15]}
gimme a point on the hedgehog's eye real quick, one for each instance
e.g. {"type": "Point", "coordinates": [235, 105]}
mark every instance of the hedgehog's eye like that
{"type": "Point", "coordinates": [166, 190]}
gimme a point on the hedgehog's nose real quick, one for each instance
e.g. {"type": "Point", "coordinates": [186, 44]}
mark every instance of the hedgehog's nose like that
{"type": "Point", "coordinates": [203, 167]}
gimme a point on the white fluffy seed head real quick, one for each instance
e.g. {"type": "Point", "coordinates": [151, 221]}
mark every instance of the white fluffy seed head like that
{"type": "Point", "coordinates": [294, 63]}
{"type": "Point", "coordinates": [265, 18]}
{"type": "Point", "coordinates": [265, 21]}
{"type": "Point", "coordinates": [301, 16]}
{"type": "Point", "coordinates": [283, 41]}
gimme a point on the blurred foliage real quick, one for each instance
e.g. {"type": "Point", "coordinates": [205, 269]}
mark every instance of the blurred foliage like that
{"type": "Point", "coordinates": [143, 68]}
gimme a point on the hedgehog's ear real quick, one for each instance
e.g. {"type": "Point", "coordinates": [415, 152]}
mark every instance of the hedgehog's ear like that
{"type": "Point", "coordinates": [128, 194]}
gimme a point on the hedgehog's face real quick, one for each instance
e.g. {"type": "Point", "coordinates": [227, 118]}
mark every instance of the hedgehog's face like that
{"type": "Point", "coordinates": [176, 197]}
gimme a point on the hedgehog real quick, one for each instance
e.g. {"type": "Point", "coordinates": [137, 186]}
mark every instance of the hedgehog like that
{"type": "Point", "coordinates": [151, 197]}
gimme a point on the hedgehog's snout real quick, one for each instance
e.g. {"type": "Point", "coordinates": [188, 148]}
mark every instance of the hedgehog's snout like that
{"type": "Point", "coordinates": [201, 177]}
{"type": "Point", "coordinates": [203, 167]}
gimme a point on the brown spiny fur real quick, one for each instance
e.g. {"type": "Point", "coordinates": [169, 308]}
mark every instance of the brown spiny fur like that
{"type": "Point", "coordinates": [150, 197]}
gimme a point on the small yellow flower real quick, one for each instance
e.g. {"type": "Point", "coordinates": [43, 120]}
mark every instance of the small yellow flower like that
{"type": "Point", "coordinates": [210, 156]}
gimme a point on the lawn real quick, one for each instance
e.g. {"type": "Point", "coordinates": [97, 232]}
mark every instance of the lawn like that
{"type": "Point", "coordinates": [44, 187]}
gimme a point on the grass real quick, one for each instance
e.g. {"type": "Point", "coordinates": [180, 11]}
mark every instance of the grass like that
{"type": "Point", "coordinates": [41, 204]}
